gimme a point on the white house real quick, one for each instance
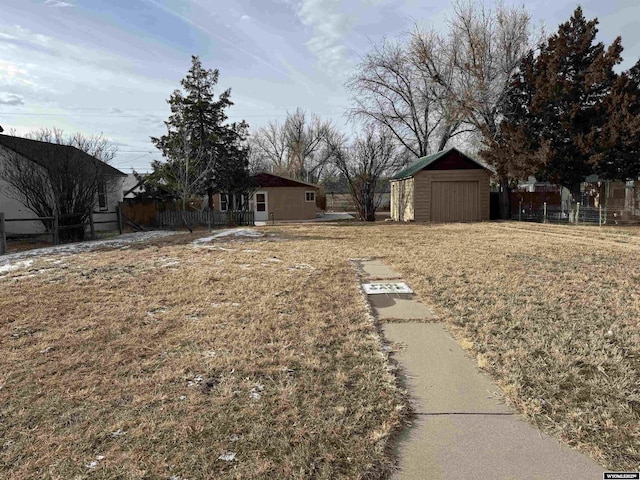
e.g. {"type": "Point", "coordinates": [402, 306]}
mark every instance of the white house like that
{"type": "Point", "coordinates": [40, 155]}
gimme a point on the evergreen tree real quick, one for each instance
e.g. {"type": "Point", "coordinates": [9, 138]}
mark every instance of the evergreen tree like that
{"type": "Point", "coordinates": [574, 78]}
{"type": "Point", "coordinates": [619, 139]}
{"type": "Point", "coordinates": [516, 150]}
{"type": "Point", "coordinates": [202, 152]}
{"type": "Point", "coordinates": [558, 106]}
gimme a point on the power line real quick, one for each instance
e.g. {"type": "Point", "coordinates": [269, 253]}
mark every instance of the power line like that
{"type": "Point", "coordinates": [271, 115]}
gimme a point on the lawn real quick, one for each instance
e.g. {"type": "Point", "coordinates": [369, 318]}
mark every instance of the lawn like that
{"type": "Point", "coordinates": [256, 358]}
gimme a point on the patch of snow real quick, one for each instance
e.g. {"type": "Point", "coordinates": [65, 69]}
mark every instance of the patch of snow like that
{"type": "Point", "coordinates": [332, 216]}
{"type": "Point", "coordinates": [234, 232]}
{"type": "Point", "coordinates": [94, 463]}
{"type": "Point", "coordinates": [195, 381]}
{"type": "Point", "coordinates": [302, 266]}
{"type": "Point", "coordinates": [71, 248]}
{"type": "Point", "coordinates": [170, 264]}
{"type": "Point", "coordinates": [255, 391]}
{"type": "Point", "coordinates": [227, 457]}
{"type": "Point", "coordinates": [15, 266]}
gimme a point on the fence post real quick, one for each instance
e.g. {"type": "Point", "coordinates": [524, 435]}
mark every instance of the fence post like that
{"type": "Point", "coordinates": [55, 235]}
{"type": "Point", "coordinates": [520, 211]}
{"type": "Point", "coordinates": [119, 213]}
{"type": "Point", "coordinates": [544, 215]}
{"type": "Point", "coordinates": [3, 235]}
{"type": "Point", "coordinates": [599, 215]}
{"type": "Point", "coordinates": [91, 225]}
{"type": "Point", "coordinates": [577, 212]}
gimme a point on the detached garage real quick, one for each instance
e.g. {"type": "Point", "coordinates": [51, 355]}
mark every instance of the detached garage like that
{"type": "Point", "coordinates": [447, 186]}
{"type": "Point", "coordinates": [275, 198]}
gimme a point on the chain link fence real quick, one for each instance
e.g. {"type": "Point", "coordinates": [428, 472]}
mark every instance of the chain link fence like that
{"type": "Point", "coordinates": [601, 203]}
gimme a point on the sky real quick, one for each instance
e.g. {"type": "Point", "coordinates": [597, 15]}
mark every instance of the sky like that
{"type": "Point", "coordinates": [108, 66]}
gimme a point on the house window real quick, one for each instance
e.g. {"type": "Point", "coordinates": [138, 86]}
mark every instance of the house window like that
{"type": "Point", "coordinates": [233, 201]}
{"type": "Point", "coordinates": [310, 196]}
{"type": "Point", "coordinates": [261, 202]}
{"type": "Point", "coordinates": [102, 195]}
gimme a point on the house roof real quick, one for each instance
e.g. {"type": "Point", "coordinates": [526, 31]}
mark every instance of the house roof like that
{"type": "Point", "coordinates": [430, 160]}
{"type": "Point", "coordinates": [42, 153]}
{"type": "Point", "coordinates": [265, 179]}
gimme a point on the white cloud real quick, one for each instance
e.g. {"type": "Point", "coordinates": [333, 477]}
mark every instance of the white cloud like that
{"type": "Point", "coordinates": [245, 18]}
{"type": "Point", "coordinates": [58, 3]}
{"type": "Point", "coordinates": [330, 27]}
{"type": "Point", "coordinates": [10, 71]}
{"type": "Point", "coordinates": [11, 99]}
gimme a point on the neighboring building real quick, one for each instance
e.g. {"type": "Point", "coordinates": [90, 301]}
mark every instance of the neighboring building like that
{"type": "Point", "coordinates": [41, 154]}
{"type": "Point", "coordinates": [275, 197]}
{"type": "Point", "coordinates": [447, 186]}
{"type": "Point", "coordinates": [132, 186]}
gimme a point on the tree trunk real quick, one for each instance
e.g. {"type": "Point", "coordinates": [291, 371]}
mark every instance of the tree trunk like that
{"type": "Point", "coordinates": [505, 199]}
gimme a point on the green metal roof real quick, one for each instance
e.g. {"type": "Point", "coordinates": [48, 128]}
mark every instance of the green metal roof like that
{"type": "Point", "coordinates": [424, 162]}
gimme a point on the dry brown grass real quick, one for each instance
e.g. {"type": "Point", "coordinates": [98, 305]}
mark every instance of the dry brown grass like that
{"type": "Point", "coordinates": [154, 361]}
{"type": "Point", "coordinates": [551, 312]}
{"type": "Point", "coordinates": [163, 357]}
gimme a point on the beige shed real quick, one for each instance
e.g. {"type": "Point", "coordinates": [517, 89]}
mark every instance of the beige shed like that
{"type": "Point", "coordinates": [447, 186]}
{"type": "Point", "coordinates": [275, 198]}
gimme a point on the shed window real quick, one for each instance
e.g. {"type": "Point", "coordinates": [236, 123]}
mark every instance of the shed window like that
{"type": "Point", "coordinates": [102, 195]}
{"type": "Point", "coordinates": [261, 202]}
{"type": "Point", "coordinates": [233, 201]}
{"type": "Point", "coordinates": [310, 196]}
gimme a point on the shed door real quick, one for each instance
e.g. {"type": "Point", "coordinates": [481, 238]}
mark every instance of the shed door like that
{"type": "Point", "coordinates": [261, 206]}
{"type": "Point", "coordinates": [454, 202]}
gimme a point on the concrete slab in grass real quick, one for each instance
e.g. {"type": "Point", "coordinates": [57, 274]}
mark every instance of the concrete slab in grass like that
{"type": "Point", "coordinates": [440, 375]}
{"type": "Point", "coordinates": [492, 447]}
{"type": "Point", "coordinates": [400, 306]}
{"type": "Point", "coordinates": [376, 269]}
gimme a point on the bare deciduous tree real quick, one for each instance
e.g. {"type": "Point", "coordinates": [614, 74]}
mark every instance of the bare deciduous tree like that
{"type": "Point", "coordinates": [476, 58]}
{"type": "Point", "coordinates": [95, 145]}
{"type": "Point", "coordinates": [365, 163]}
{"type": "Point", "coordinates": [391, 90]}
{"type": "Point", "coordinates": [296, 148]}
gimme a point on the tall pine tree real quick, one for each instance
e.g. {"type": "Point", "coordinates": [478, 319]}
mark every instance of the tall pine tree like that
{"type": "Point", "coordinates": [202, 152]}
{"type": "Point", "coordinates": [559, 105]}
{"type": "Point", "coordinates": [619, 139]}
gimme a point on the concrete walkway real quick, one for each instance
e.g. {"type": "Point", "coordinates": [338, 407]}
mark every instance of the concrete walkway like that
{"type": "Point", "coordinates": [463, 428]}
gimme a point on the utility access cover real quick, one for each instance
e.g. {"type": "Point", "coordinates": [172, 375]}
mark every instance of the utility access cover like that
{"type": "Point", "coordinates": [388, 288]}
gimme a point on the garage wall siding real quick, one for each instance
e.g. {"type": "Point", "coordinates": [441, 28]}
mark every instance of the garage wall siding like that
{"type": "Point", "coordinates": [422, 189]}
{"type": "Point", "coordinates": [402, 199]}
{"type": "Point", "coordinates": [286, 203]}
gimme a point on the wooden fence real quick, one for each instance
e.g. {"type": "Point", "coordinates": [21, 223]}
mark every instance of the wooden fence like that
{"type": "Point", "coordinates": [54, 230]}
{"type": "Point", "coordinates": [209, 218]}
